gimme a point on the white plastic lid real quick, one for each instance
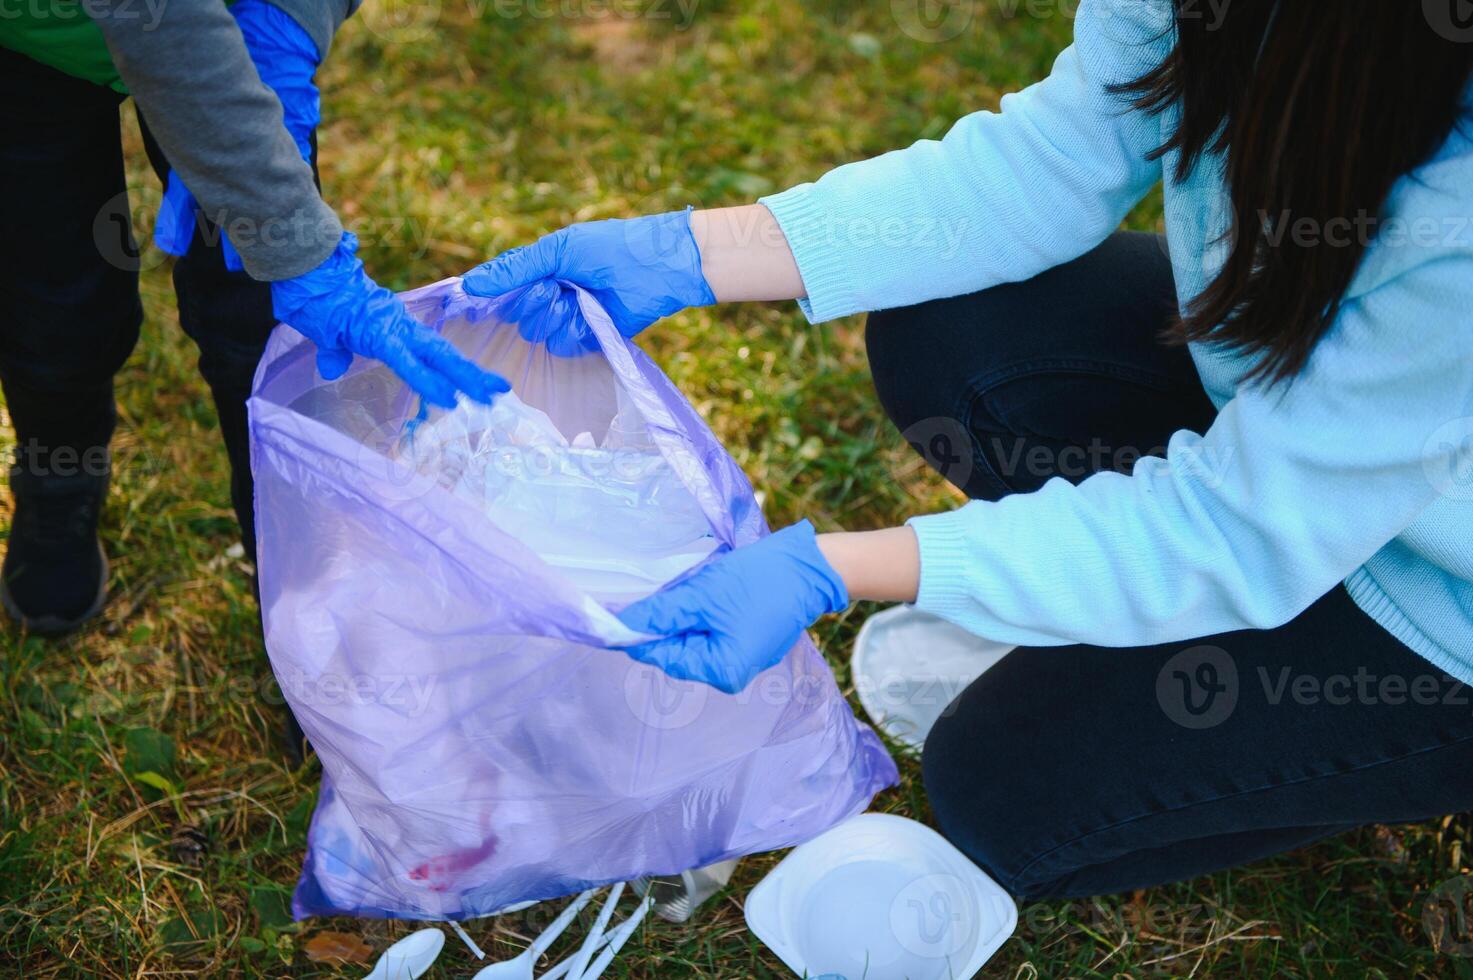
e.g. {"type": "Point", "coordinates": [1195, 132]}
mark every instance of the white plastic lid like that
{"type": "Point", "coordinates": [909, 665]}
{"type": "Point", "coordinates": [880, 897]}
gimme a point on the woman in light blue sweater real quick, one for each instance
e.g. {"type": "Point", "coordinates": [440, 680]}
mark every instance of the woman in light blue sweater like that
{"type": "Point", "coordinates": [1242, 456]}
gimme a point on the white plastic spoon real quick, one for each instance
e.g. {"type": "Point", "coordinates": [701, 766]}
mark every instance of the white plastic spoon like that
{"type": "Point", "coordinates": [410, 957]}
{"type": "Point", "coordinates": [617, 938]}
{"type": "Point", "coordinates": [562, 966]}
{"type": "Point", "coordinates": [560, 969]}
{"type": "Point", "coordinates": [595, 935]}
{"type": "Point", "coordinates": [520, 966]}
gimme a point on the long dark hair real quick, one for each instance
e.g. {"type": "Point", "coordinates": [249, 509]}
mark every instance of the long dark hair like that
{"type": "Point", "coordinates": [1320, 108]}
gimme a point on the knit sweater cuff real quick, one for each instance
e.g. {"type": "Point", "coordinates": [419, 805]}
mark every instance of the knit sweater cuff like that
{"type": "Point", "coordinates": [947, 587]}
{"type": "Point", "coordinates": [808, 227]}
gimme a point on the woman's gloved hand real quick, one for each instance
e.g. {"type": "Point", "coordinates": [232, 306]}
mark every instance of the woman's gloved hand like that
{"type": "Point", "coordinates": [740, 614]}
{"type": "Point", "coordinates": [640, 269]}
{"type": "Point", "coordinates": [344, 312]}
{"type": "Point", "coordinates": [286, 59]}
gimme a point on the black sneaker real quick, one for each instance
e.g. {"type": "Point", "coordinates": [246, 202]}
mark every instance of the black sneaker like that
{"type": "Point", "coordinates": [55, 574]}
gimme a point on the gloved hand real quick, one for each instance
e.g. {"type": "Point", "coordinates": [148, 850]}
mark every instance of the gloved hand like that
{"type": "Point", "coordinates": [640, 269]}
{"type": "Point", "coordinates": [345, 313]}
{"type": "Point", "coordinates": [740, 614]}
{"type": "Point", "coordinates": [286, 59]}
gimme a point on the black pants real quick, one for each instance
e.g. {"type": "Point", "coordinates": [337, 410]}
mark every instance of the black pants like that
{"type": "Point", "coordinates": [1086, 770]}
{"type": "Point", "coordinates": [69, 305]}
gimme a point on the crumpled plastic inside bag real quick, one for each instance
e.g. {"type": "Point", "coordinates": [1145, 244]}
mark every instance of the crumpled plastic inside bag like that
{"type": "Point", "coordinates": [609, 512]}
{"type": "Point", "coordinates": [606, 510]}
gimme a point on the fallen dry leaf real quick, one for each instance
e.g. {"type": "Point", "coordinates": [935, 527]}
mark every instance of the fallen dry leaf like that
{"type": "Point", "coordinates": [338, 947]}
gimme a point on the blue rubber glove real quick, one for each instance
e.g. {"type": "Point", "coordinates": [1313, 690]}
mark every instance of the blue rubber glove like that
{"type": "Point", "coordinates": [640, 269]}
{"type": "Point", "coordinates": [740, 614]}
{"type": "Point", "coordinates": [286, 60]}
{"type": "Point", "coordinates": [345, 313]}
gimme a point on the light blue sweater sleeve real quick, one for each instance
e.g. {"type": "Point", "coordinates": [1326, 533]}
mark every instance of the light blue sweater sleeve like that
{"type": "Point", "coordinates": [1290, 491]}
{"type": "Point", "coordinates": [1004, 196]}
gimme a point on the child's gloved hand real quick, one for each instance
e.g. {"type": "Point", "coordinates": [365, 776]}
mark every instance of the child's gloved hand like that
{"type": "Point", "coordinates": [344, 312]}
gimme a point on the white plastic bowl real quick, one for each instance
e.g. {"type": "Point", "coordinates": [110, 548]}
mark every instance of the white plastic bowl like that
{"type": "Point", "coordinates": [880, 897]}
{"type": "Point", "coordinates": [909, 665]}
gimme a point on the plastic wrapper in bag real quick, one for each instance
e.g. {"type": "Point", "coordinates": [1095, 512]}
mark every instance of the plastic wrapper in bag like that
{"type": "Point", "coordinates": [437, 595]}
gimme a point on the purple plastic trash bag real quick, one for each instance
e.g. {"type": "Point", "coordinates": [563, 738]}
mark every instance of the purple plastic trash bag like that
{"type": "Point", "coordinates": [436, 596]}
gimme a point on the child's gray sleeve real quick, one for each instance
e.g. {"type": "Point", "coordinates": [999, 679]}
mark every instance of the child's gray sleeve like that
{"type": "Point", "coordinates": [221, 128]}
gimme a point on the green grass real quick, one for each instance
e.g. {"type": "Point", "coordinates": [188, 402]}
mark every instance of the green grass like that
{"type": "Point", "coordinates": [443, 145]}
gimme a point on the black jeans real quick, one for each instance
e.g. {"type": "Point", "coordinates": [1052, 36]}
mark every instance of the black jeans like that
{"type": "Point", "coordinates": [69, 305]}
{"type": "Point", "coordinates": [1082, 770]}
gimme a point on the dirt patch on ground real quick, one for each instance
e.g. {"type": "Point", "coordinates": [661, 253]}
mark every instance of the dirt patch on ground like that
{"type": "Point", "coordinates": [620, 44]}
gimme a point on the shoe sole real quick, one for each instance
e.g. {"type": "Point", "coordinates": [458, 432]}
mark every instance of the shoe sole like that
{"type": "Point", "coordinates": [56, 625]}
